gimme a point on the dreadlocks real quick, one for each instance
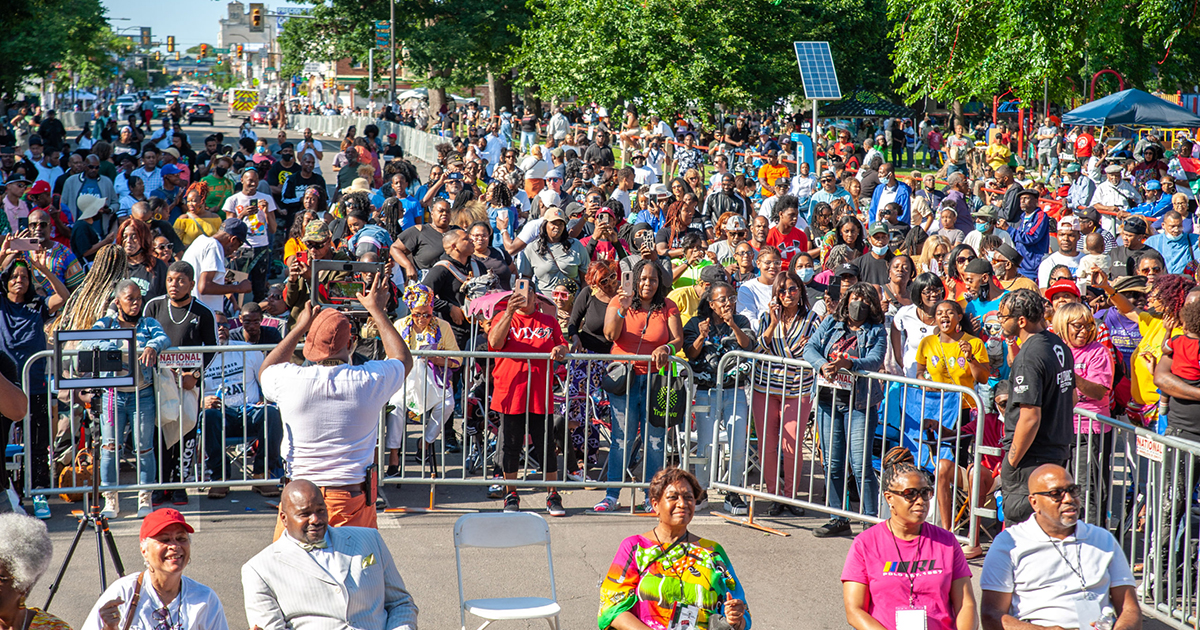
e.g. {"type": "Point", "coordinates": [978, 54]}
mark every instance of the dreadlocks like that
{"type": "Point", "coordinates": [1171, 290]}
{"type": "Point", "coordinates": [391, 216]}
{"type": "Point", "coordinates": [898, 461]}
{"type": "Point", "coordinates": [89, 302]}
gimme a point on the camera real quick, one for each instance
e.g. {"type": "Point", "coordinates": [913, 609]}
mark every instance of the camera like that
{"type": "Point", "coordinates": [94, 361]}
{"type": "Point", "coordinates": [345, 280]}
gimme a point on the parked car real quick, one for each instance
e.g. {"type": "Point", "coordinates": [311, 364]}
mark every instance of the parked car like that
{"type": "Point", "coordinates": [259, 115]}
{"type": "Point", "coordinates": [126, 104]}
{"type": "Point", "coordinates": [200, 111]}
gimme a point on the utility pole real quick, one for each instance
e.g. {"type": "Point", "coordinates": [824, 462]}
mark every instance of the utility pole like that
{"type": "Point", "coordinates": [392, 41]}
{"type": "Point", "coordinates": [371, 78]}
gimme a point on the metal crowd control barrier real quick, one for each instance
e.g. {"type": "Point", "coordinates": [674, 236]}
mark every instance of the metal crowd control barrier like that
{"type": "Point", "coordinates": [1141, 487]}
{"type": "Point", "coordinates": [780, 394]}
{"type": "Point", "coordinates": [244, 436]}
{"type": "Point", "coordinates": [417, 143]}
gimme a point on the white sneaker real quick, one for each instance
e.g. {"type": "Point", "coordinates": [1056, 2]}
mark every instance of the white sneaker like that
{"type": "Point", "coordinates": [112, 507]}
{"type": "Point", "coordinates": [144, 505]}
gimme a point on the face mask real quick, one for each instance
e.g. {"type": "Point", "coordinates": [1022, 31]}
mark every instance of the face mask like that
{"type": "Point", "coordinates": [261, 150]}
{"type": "Point", "coordinates": [132, 319]}
{"type": "Point", "coordinates": [221, 170]}
{"type": "Point", "coordinates": [983, 227]}
{"type": "Point", "coordinates": [857, 311]}
{"type": "Point", "coordinates": [879, 250]}
{"type": "Point", "coordinates": [1175, 238]}
{"type": "Point", "coordinates": [806, 274]}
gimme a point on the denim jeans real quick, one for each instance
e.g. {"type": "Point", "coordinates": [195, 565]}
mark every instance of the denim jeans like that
{"type": "Point", "coordinates": [230, 419]}
{"type": "Point", "coordinates": [628, 419]}
{"type": "Point", "coordinates": [528, 139]}
{"type": "Point", "coordinates": [733, 415]}
{"type": "Point", "coordinates": [956, 168]}
{"type": "Point", "coordinates": [845, 430]}
{"type": "Point", "coordinates": [114, 429]}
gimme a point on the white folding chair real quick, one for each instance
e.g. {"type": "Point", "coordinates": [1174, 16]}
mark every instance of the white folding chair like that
{"type": "Point", "coordinates": [505, 531]}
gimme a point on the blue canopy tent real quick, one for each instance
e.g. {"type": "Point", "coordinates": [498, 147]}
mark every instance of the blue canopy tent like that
{"type": "Point", "coordinates": [1134, 108]}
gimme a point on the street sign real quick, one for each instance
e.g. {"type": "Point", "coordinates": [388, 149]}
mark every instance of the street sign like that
{"type": "Point", "coordinates": [312, 68]}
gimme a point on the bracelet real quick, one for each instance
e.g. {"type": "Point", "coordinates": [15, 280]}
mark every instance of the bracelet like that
{"type": "Point", "coordinates": [670, 347]}
{"type": "Point", "coordinates": [620, 314]}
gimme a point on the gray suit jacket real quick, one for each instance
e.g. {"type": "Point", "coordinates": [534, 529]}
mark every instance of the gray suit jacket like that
{"type": "Point", "coordinates": [74, 184]}
{"type": "Point", "coordinates": [286, 589]}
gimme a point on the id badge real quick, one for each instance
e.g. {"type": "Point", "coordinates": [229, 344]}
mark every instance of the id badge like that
{"type": "Point", "coordinates": [911, 619]}
{"type": "Point", "coordinates": [684, 617]}
{"type": "Point", "coordinates": [1087, 609]}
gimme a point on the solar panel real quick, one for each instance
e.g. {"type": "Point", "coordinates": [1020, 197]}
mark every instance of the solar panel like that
{"type": "Point", "coordinates": [817, 71]}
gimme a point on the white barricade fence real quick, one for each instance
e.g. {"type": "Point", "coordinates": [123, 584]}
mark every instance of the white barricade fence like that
{"type": "Point", "coordinates": [203, 423]}
{"type": "Point", "coordinates": [832, 464]}
{"type": "Point", "coordinates": [416, 143]}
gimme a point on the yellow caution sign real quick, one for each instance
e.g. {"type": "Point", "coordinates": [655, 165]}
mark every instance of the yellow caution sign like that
{"type": "Point", "coordinates": [244, 101]}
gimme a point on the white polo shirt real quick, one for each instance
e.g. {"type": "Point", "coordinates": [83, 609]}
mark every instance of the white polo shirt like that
{"type": "Point", "coordinates": [1044, 574]}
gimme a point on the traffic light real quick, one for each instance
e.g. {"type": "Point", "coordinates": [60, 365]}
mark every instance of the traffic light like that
{"type": "Point", "coordinates": [176, 55]}
{"type": "Point", "coordinates": [203, 50]}
{"type": "Point", "coordinates": [239, 51]}
{"type": "Point", "coordinates": [170, 43]}
{"type": "Point", "coordinates": [256, 17]}
{"type": "Point", "coordinates": [157, 55]}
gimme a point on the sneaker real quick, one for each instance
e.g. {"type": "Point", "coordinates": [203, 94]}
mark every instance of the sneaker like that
{"type": "Point", "coordinates": [392, 471]}
{"type": "Point", "coordinates": [41, 508]}
{"type": "Point", "coordinates": [158, 497]}
{"type": "Point", "coordinates": [218, 492]}
{"type": "Point", "coordinates": [179, 496]}
{"type": "Point", "coordinates": [145, 504]}
{"type": "Point", "coordinates": [495, 491]}
{"type": "Point", "coordinates": [554, 506]}
{"type": "Point", "coordinates": [112, 506]}
{"type": "Point", "coordinates": [735, 506]}
{"type": "Point", "coordinates": [381, 502]}
{"type": "Point", "coordinates": [796, 510]}
{"type": "Point", "coordinates": [607, 504]}
{"type": "Point", "coordinates": [775, 509]}
{"type": "Point", "coordinates": [512, 502]}
{"type": "Point", "coordinates": [832, 528]}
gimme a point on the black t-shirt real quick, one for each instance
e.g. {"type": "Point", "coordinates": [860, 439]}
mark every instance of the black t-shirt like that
{"type": "Point", "coordinates": [424, 242]}
{"type": "Point", "coordinates": [498, 262]}
{"type": "Point", "coordinates": [1043, 375]}
{"type": "Point", "coordinates": [739, 135]}
{"type": "Point", "coordinates": [292, 196]}
{"type": "Point", "coordinates": [664, 236]}
{"type": "Point", "coordinates": [716, 345]}
{"type": "Point", "coordinates": [873, 270]}
{"type": "Point", "coordinates": [194, 326]}
{"type": "Point", "coordinates": [153, 282]}
{"type": "Point", "coordinates": [83, 238]}
{"type": "Point", "coordinates": [587, 321]}
{"type": "Point", "coordinates": [599, 155]}
{"type": "Point", "coordinates": [394, 150]}
{"type": "Point", "coordinates": [278, 172]}
{"type": "Point", "coordinates": [1124, 260]}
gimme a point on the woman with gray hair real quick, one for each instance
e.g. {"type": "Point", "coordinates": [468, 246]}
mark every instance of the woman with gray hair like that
{"type": "Point", "coordinates": [25, 553]}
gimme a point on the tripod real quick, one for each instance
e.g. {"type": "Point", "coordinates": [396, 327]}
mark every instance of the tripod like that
{"type": "Point", "coordinates": [91, 518]}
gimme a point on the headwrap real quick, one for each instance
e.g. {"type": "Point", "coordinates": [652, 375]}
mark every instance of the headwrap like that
{"type": "Point", "coordinates": [416, 296]}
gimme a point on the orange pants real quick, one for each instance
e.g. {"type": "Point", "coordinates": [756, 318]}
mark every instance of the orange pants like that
{"type": "Point", "coordinates": [344, 509]}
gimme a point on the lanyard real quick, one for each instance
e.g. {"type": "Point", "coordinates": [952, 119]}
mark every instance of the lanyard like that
{"type": "Point", "coordinates": [1078, 558]}
{"type": "Point", "coordinates": [911, 574]}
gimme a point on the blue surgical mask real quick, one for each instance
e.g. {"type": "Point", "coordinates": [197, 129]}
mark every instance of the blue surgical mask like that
{"type": "Point", "coordinates": [879, 250]}
{"type": "Point", "coordinates": [983, 227]}
{"type": "Point", "coordinates": [1175, 238]}
{"type": "Point", "coordinates": [806, 274]}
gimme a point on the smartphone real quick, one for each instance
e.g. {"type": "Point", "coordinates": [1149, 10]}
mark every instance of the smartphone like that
{"type": "Point", "coordinates": [25, 244]}
{"type": "Point", "coordinates": [344, 291]}
{"type": "Point", "coordinates": [627, 282]}
{"type": "Point", "coordinates": [522, 288]}
{"type": "Point", "coordinates": [22, 224]}
{"type": "Point", "coordinates": [647, 241]}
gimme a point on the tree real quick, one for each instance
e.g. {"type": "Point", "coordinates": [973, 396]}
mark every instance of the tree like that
{"type": "Point", "coordinates": [952, 50]}
{"type": "Point", "coordinates": [93, 61]}
{"type": "Point", "coordinates": [41, 33]}
{"type": "Point", "coordinates": [675, 55]}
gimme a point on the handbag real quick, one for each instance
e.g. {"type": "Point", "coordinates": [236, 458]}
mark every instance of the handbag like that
{"type": "Point", "coordinates": [668, 398]}
{"type": "Point", "coordinates": [616, 375]}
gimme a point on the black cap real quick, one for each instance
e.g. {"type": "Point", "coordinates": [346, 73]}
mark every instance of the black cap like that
{"type": "Point", "coordinates": [236, 228]}
{"type": "Point", "coordinates": [847, 269]}
{"type": "Point", "coordinates": [35, 139]}
{"type": "Point", "coordinates": [978, 265]}
{"type": "Point", "coordinates": [1009, 252]}
{"type": "Point", "coordinates": [1089, 214]}
{"type": "Point", "coordinates": [1026, 191]}
{"type": "Point", "coordinates": [1135, 225]}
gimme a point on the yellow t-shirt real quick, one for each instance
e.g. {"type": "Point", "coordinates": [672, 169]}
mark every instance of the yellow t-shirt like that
{"type": "Point", "coordinates": [189, 228]}
{"type": "Point", "coordinates": [997, 155]}
{"type": "Point", "coordinates": [292, 247]}
{"type": "Point", "coordinates": [1145, 358]}
{"type": "Point", "coordinates": [688, 300]}
{"type": "Point", "coordinates": [946, 363]}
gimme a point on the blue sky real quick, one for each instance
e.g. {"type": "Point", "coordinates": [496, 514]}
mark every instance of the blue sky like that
{"type": "Point", "coordinates": [191, 21]}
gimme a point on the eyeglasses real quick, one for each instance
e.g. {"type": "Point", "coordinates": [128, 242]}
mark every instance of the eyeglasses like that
{"type": "Point", "coordinates": [1148, 270]}
{"type": "Point", "coordinates": [771, 263]}
{"type": "Point", "coordinates": [729, 299]}
{"type": "Point", "coordinates": [745, 253]}
{"type": "Point", "coordinates": [609, 278]}
{"type": "Point", "coordinates": [1057, 494]}
{"type": "Point", "coordinates": [422, 315]}
{"type": "Point", "coordinates": [912, 494]}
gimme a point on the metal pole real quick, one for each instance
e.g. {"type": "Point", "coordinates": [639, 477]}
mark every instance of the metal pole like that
{"type": "Point", "coordinates": [814, 136]}
{"type": "Point", "coordinates": [392, 42]}
{"type": "Point", "coordinates": [1046, 97]}
{"type": "Point", "coordinates": [371, 78]}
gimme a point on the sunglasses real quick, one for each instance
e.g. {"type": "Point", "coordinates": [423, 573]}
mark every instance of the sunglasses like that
{"type": "Point", "coordinates": [314, 245]}
{"type": "Point", "coordinates": [1057, 494]}
{"type": "Point", "coordinates": [964, 259]}
{"type": "Point", "coordinates": [164, 246]}
{"type": "Point", "coordinates": [39, 224]}
{"type": "Point", "coordinates": [911, 495]}
{"type": "Point", "coordinates": [422, 315]}
{"type": "Point", "coordinates": [793, 290]}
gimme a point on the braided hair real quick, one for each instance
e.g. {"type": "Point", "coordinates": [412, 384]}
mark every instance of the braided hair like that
{"type": "Point", "coordinates": [897, 462]}
{"type": "Point", "coordinates": [89, 302]}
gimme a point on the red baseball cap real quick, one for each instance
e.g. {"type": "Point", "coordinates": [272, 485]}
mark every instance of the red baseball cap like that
{"type": "Point", "coordinates": [391, 135]}
{"type": "Point", "coordinates": [160, 520]}
{"type": "Point", "coordinates": [39, 188]}
{"type": "Point", "coordinates": [1062, 285]}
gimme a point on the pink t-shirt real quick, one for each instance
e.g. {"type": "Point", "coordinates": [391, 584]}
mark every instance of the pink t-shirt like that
{"type": "Point", "coordinates": [934, 560]}
{"type": "Point", "coordinates": [1093, 362]}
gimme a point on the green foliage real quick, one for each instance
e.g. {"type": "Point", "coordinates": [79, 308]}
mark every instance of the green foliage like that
{"type": "Point", "coordinates": [952, 50]}
{"type": "Point", "coordinates": [672, 55]}
{"type": "Point", "coordinates": [41, 33]}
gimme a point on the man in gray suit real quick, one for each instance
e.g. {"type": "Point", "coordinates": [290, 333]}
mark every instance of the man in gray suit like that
{"type": "Point", "coordinates": [316, 577]}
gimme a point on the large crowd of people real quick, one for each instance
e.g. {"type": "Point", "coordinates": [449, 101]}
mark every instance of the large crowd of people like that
{"type": "Point", "coordinates": [1047, 281]}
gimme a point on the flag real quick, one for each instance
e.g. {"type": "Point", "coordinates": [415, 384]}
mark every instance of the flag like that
{"type": "Point", "coordinates": [1191, 168]}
